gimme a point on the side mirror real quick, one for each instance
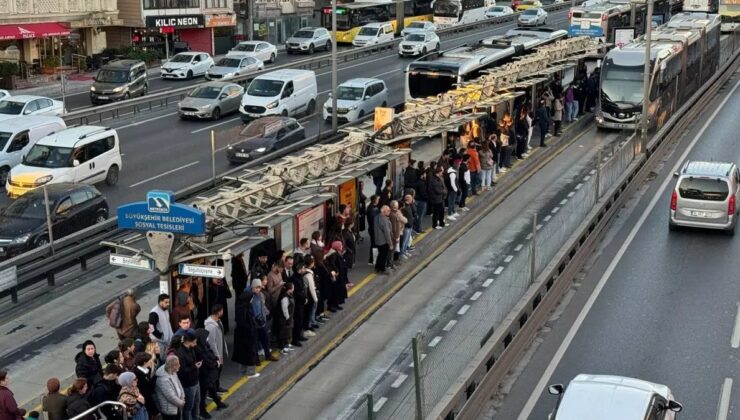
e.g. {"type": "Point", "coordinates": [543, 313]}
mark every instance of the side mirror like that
{"type": "Point", "coordinates": [75, 163]}
{"type": "Point", "coordinates": [674, 406]}
{"type": "Point", "coordinates": [367, 97]}
{"type": "Point", "coordinates": [556, 389]}
{"type": "Point", "coordinates": [330, 94]}
{"type": "Point", "coordinates": [675, 174]}
{"type": "Point", "coordinates": [224, 96]}
{"type": "Point", "coordinates": [27, 111]}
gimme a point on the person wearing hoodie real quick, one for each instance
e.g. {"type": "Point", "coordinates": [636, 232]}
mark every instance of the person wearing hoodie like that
{"type": "Point", "coordinates": [188, 374]}
{"type": "Point", "coordinates": [88, 364]}
{"type": "Point", "coordinates": [107, 389]}
{"type": "Point", "coordinates": [216, 339]}
{"type": "Point", "coordinates": [131, 397]}
{"type": "Point", "coordinates": [168, 390]}
{"type": "Point", "coordinates": [208, 373]}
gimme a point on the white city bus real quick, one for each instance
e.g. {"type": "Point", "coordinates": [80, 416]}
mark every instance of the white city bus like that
{"type": "Point", "coordinates": [459, 12]}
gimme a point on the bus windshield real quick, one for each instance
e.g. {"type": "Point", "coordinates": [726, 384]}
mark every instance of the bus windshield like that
{"type": "Point", "coordinates": [424, 84]}
{"type": "Point", "coordinates": [445, 9]}
{"type": "Point", "coordinates": [622, 84]}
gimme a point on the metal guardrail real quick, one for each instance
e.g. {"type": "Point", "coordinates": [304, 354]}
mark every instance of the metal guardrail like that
{"type": "Point", "coordinates": [98, 114]}
{"type": "Point", "coordinates": [120, 405]}
{"type": "Point", "coordinates": [472, 390]}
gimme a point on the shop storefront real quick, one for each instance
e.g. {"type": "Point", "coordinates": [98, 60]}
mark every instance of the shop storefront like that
{"type": "Point", "coordinates": [33, 45]}
{"type": "Point", "coordinates": [195, 30]}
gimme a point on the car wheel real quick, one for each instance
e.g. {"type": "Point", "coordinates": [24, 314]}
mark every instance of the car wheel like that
{"type": "Point", "coordinates": [126, 96]}
{"type": "Point", "coordinates": [423, 50]}
{"type": "Point", "coordinates": [361, 115]}
{"type": "Point", "coordinates": [4, 172]}
{"type": "Point", "coordinates": [216, 114]}
{"type": "Point", "coordinates": [111, 178]}
{"type": "Point", "coordinates": [190, 75]}
{"type": "Point", "coordinates": [311, 107]}
{"type": "Point", "coordinates": [310, 49]}
{"type": "Point", "coordinates": [273, 57]}
{"type": "Point", "coordinates": [145, 90]}
{"type": "Point", "coordinates": [437, 47]}
{"type": "Point", "coordinates": [101, 216]}
{"type": "Point", "coordinates": [385, 104]}
{"type": "Point", "coordinates": [730, 232]}
{"type": "Point", "coordinates": [327, 46]}
{"type": "Point", "coordinates": [41, 241]}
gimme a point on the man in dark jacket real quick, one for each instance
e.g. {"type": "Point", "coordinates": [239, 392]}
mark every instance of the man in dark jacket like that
{"type": "Point", "coordinates": [300, 296]}
{"type": "Point", "coordinates": [107, 390]}
{"type": "Point", "coordinates": [383, 239]}
{"type": "Point", "coordinates": [188, 375]}
{"type": "Point", "coordinates": [421, 198]}
{"type": "Point", "coordinates": [543, 121]}
{"type": "Point", "coordinates": [372, 214]}
{"type": "Point", "coordinates": [208, 373]}
{"type": "Point", "coordinates": [378, 175]}
{"type": "Point", "coordinates": [437, 195]}
{"type": "Point", "coordinates": [410, 175]}
{"type": "Point", "coordinates": [245, 334]}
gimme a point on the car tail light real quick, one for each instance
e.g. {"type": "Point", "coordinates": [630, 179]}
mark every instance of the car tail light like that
{"type": "Point", "coordinates": [674, 200]}
{"type": "Point", "coordinates": [570, 14]}
{"type": "Point", "coordinates": [603, 16]}
{"type": "Point", "coordinates": [731, 206]}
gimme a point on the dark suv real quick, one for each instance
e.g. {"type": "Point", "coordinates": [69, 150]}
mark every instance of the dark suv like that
{"type": "Point", "coordinates": [119, 80]}
{"type": "Point", "coordinates": [264, 135]}
{"type": "Point", "coordinates": [72, 207]}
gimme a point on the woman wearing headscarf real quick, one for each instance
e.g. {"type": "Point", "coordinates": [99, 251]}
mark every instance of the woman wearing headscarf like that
{"type": "Point", "coordinates": [245, 334]}
{"type": "Point", "coordinates": [131, 397]}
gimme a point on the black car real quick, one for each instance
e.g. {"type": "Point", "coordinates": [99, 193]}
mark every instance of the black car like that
{"type": "Point", "coordinates": [72, 207]}
{"type": "Point", "coordinates": [264, 135]}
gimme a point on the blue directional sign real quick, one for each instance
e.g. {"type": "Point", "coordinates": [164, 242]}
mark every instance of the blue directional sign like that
{"type": "Point", "coordinates": [161, 213]}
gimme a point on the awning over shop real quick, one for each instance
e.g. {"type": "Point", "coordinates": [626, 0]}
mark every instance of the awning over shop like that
{"type": "Point", "coordinates": [32, 30]}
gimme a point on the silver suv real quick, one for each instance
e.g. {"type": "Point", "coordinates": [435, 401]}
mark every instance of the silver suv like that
{"type": "Point", "coordinates": [705, 196]}
{"type": "Point", "coordinates": [307, 40]}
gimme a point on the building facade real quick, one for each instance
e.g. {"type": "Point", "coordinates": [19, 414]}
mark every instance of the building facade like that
{"type": "Point", "coordinates": [275, 20]}
{"type": "Point", "coordinates": [49, 33]}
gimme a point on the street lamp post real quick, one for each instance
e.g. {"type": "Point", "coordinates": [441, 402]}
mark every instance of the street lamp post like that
{"type": "Point", "coordinates": [646, 76]}
{"type": "Point", "coordinates": [334, 65]}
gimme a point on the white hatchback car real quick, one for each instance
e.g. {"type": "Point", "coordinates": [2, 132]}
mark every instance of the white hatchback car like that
{"type": "Point", "coordinates": [31, 105]}
{"type": "Point", "coordinates": [357, 98]}
{"type": "Point", "coordinates": [4, 94]}
{"type": "Point", "coordinates": [261, 50]}
{"type": "Point", "coordinates": [499, 11]}
{"type": "Point", "coordinates": [418, 43]}
{"type": "Point", "coordinates": [187, 65]}
{"type": "Point", "coordinates": [418, 26]}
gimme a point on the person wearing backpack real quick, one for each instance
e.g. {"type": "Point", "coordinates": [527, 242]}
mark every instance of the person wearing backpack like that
{"type": "Point", "coordinates": [121, 315]}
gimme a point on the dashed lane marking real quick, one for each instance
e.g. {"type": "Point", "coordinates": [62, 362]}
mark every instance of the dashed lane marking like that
{"type": "Point", "coordinates": [571, 194]}
{"type": "Point", "coordinates": [539, 227]}
{"type": "Point", "coordinates": [499, 270]}
{"type": "Point", "coordinates": [476, 296]}
{"type": "Point", "coordinates": [578, 187]}
{"type": "Point", "coordinates": [547, 218]}
{"type": "Point", "coordinates": [723, 408]}
{"type": "Point", "coordinates": [378, 405]}
{"type": "Point", "coordinates": [397, 383]}
{"type": "Point", "coordinates": [508, 258]}
{"type": "Point", "coordinates": [423, 356]}
{"type": "Point", "coordinates": [518, 247]}
{"type": "Point", "coordinates": [463, 310]}
{"type": "Point", "coordinates": [171, 171]}
{"type": "Point", "coordinates": [487, 282]}
{"type": "Point", "coordinates": [563, 201]}
{"type": "Point", "coordinates": [555, 210]}
{"type": "Point", "coordinates": [449, 325]}
{"type": "Point", "coordinates": [529, 236]}
{"type": "Point", "coordinates": [735, 341]}
{"type": "Point", "coordinates": [435, 341]}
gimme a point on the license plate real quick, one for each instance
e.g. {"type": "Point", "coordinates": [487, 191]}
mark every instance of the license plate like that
{"type": "Point", "coordinates": [242, 155]}
{"type": "Point", "coordinates": [585, 25]}
{"type": "Point", "coordinates": [698, 214]}
{"type": "Point", "coordinates": [2, 250]}
{"type": "Point", "coordinates": [102, 97]}
{"type": "Point", "coordinates": [188, 113]}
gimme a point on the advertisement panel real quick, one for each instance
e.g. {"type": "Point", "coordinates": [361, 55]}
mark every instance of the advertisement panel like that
{"type": "Point", "coordinates": [348, 194]}
{"type": "Point", "coordinates": [310, 220]}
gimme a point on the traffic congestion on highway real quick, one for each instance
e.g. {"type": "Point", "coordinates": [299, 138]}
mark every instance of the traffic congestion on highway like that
{"type": "Point", "coordinates": [438, 212]}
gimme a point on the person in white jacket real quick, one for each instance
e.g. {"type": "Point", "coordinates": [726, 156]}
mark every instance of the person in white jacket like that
{"type": "Point", "coordinates": [168, 390]}
{"type": "Point", "coordinates": [309, 320]}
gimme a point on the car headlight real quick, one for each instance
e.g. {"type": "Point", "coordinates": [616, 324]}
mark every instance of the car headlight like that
{"type": "Point", "coordinates": [271, 105]}
{"type": "Point", "coordinates": [261, 150]}
{"type": "Point", "coordinates": [205, 106]}
{"type": "Point", "coordinates": [44, 179]}
{"type": "Point", "coordinates": [118, 89]}
{"type": "Point", "coordinates": [92, 88]}
{"type": "Point", "coordinates": [21, 239]}
{"type": "Point", "coordinates": [353, 107]}
{"type": "Point", "coordinates": [230, 147]}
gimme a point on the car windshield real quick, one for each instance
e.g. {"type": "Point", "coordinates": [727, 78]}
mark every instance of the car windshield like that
{"type": "Point", "coordinates": [415, 37]}
{"type": "Point", "coordinates": [229, 62]}
{"type": "Point", "coordinates": [264, 87]}
{"type": "Point", "coordinates": [4, 137]}
{"type": "Point", "coordinates": [49, 157]}
{"type": "Point", "coordinates": [445, 8]}
{"type": "Point", "coordinates": [11, 107]}
{"type": "Point", "coordinates": [703, 189]}
{"type": "Point", "coordinates": [303, 34]}
{"type": "Point", "coordinates": [181, 58]}
{"type": "Point", "coordinates": [530, 12]}
{"type": "Point", "coordinates": [622, 84]}
{"type": "Point", "coordinates": [205, 92]}
{"type": "Point", "coordinates": [245, 47]}
{"type": "Point", "coordinates": [27, 206]}
{"type": "Point", "coordinates": [418, 25]}
{"type": "Point", "coordinates": [496, 9]}
{"type": "Point", "coordinates": [350, 93]}
{"type": "Point", "coordinates": [261, 128]}
{"type": "Point", "coordinates": [112, 76]}
{"type": "Point", "coordinates": [368, 31]}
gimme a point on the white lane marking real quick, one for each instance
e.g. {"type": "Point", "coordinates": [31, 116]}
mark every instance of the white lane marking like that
{"type": "Point", "coordinates": [463, 310]}
{"type": "Point", "coordinates": [449, 325]}
{"type": "Point", "coordinates": [586, 178]}
{"type": "Point", "coordinates": [563, 201]}
{"type": "Point", "coordinates": [555, 210]}
{"type": "Point", "coordinates": [171, 171]}
{"type": "Point", "coordinates": [397, 383]}
{"type": "Point", "coordinates": [578, 187]}
{"type": "Point", "coordinates": [134, 124]}
{"type": "Point", "coordinates": [499, 270]}
{"type": "Point", "coordinates": [571, 194]}
{"type": "Point", "coordinates": [547, 218]}
{"type": "Point", "coordinates": [723, 408]}
{"type": "Point", "coordinates": [487, 282]}
{"type": "Point", "coordinates": [539, 227]}
{"type": "Point", "coordinates": [423, 356]}
{"type": "Point", "coordinates": [215, 125]}
{"type": "Point", "coordinates": [558, 356]}
{"type": "Point", "coordinates": [508, 258]}
{"type": "Point", "coordinates": [435, 341]}
{"type": "Point", "coordinates": [476, 296]}
{"type": "Point", "coordinates": [735, 341]}
{"type": "Point", "coordinates": [378, 405]}
{"type": "Point", "coordinates": [593, 171]}
{"type": "Point", "coordinates": [529, 236]}
{"type": "Point", "coordinates": [518, 247]}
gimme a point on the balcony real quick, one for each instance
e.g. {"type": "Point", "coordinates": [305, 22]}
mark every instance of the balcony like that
{"type": "Point", "coordinates": [171, 4]}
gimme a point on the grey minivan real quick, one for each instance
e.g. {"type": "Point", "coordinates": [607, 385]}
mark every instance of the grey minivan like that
{"type": "Point", "coordinates": [119, 80]}
{"type": "Point", "coordinates": [705, 196]}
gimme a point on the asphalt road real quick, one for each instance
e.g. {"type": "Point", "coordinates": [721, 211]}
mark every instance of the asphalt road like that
{"type": "Point", "coordinates": [161, 151]}
{"type": "Point", "coordinates": [657, 305]}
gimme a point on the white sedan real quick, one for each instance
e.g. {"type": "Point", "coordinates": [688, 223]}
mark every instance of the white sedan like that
{"type": "Point", "coordinates": [418, 26]}
{"type": "Point", "coordinates": [31, 105]}
{"type": "Point", "coordinates": [418, 44]}
{"type": "Point", "coordinates": [533, 17]}
{"type": "Point", "coordinates": [4, 94]}
{"type": "Point", "coordinates": [499, 11]}
{"type": "Point", "coordinates": [261, 50]}
{"type": "Point", "coordinates": [234, 65]}
{"type": "Point", "coordinates": [187, 65]}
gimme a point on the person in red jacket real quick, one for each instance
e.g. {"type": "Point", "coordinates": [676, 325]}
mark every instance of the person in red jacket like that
{"type": "Point", "coordinates": [8, 407]}
{"type": "Point", "coordinates": [474, 168]}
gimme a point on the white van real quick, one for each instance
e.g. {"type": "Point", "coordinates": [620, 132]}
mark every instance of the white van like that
{"type": "Point", "coordinates": [374, 33]}
{"type": "Point", "coordinates": [285, 92]}
{"type": "Point", "coordinates": [19, 134]}
{"type": "Point", "coordinates": [86, 154]}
